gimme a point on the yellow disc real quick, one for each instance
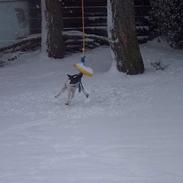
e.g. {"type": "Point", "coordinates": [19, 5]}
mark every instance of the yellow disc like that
{"type": "Point", "coordinates": [87, 71]}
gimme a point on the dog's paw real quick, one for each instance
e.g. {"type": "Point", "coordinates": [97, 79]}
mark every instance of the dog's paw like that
{"type": "Point", "coordinates": [67, 103]}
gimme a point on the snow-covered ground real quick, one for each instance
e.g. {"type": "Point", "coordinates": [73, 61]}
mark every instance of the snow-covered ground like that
{"type": "Point", "coordinates": [129, 130]}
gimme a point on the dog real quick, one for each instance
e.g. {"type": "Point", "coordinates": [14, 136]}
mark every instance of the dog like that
{"type": "Point", "coordinates": [73, 83]}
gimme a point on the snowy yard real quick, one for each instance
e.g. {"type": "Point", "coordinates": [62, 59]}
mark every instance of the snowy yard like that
{"type": "Point", "coordinates": [129, 130]}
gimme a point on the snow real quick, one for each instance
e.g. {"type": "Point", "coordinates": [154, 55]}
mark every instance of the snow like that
{"type": "Point", "coordinates": [129, 130]}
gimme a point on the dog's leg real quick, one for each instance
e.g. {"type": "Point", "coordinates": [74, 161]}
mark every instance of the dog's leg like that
{"type": "Point", "coordinates": [69, 96]}
{"type": "Point", "coordinates": [61, 91]}
{"type": "Point", "coordinates": [71, 92]}
{"type": "Point", "coordinates": [84, 91]}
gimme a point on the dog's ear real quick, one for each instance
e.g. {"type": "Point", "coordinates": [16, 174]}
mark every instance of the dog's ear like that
{"type": "Point", "coordinates": [69, 76]}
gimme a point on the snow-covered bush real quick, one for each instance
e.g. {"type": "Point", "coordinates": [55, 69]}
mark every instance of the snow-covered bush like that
{"type": "Point", "coordinates": [167, 20]}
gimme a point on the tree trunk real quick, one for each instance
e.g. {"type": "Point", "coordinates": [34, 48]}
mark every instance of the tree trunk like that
{"type": "Point", "coordinates": [55, 41]}
{"type": "Point", "coordinates": [44, 28]}
{"type": "Point", "coordinates": [124, 38]}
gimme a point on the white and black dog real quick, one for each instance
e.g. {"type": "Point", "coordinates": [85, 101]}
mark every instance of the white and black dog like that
{"type": "Point", "coordinates": [73, 83]}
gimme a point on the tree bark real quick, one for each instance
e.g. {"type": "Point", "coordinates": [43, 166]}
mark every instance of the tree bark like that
{"type": "Point", "coordinates": [44, 27]}
{"type": "Point", "coordinates": [124, 39]}
{"type": "Point", "coordinates": [55, 41]}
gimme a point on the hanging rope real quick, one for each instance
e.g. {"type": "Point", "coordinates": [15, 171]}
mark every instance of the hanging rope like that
{"type": "Point", "coordinates": [83, 27]}
{"type": "Point", "coordinates": [87, 71]}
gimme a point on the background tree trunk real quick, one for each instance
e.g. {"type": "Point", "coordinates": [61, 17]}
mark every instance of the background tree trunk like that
{"type": "Point", "coordinates": [44, 27]}
{"type": "Point", "coordinates": [125, 43]}
{"type": "Point", "coordinates": [55, 41]}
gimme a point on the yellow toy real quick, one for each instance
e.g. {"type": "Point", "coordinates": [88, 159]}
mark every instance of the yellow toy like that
{"type": "Point", "coordinates": [87, 71]}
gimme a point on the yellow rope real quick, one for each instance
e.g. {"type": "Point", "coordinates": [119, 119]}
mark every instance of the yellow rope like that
{"type": "Point", "coordinates": [83, 26]}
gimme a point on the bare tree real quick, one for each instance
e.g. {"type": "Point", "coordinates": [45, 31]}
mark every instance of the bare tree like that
{"type": "Point", "coordinates": [44, 27]}
{"type": "Point", "coordinates": [124, 39]}
{"type": "Point", "coordinates": [54, 21]}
